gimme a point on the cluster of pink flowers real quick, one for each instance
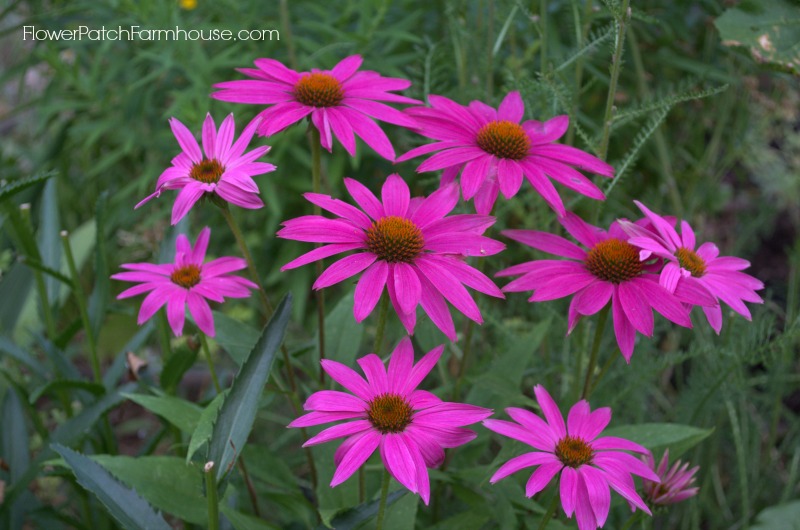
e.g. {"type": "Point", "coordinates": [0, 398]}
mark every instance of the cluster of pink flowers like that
{"type": "Point", "coordinates": [417, 251]}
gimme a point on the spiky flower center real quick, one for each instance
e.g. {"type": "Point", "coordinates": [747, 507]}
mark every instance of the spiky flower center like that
{"type": "Point", "coordinates": [389, 413]}
{"type": "Point", "coordinates": [573, 451]}
{"type": "Point", "coordinates": [318, 90]}
{"type": "Point", "coordinates": [207, 171]}
{"type": "Point", "coordinates": [504, 139]}
{"type": "Point", "coordinates": [187, 276]}
{"type": "Point", "coordinates": [689, 260]}
{"type": "Point", "coordinates": [395, 239]}
{"type": "Point", "coordinates": [614, 260]}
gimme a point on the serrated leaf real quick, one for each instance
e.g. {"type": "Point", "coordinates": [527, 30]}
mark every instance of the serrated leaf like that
{"type": "Point", "coordinates": [179, 412]}
{"type": "Point", "coordinates": [127, 507]}
{"type": "Point", "coordinates": [355, 517]}
{"type": "Point", "coordinates": [238, 412]}
{"type": "Point", "coordinates": [205, 425]}
{"type": "Point", "coordinates": [17, 186]}
{"type": "Point", "coordinates": [769, 29]}
{"type": "Point", "coordinates": [658, 436]}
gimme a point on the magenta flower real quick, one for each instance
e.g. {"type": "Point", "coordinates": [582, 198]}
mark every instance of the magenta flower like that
{"type": "Point", "coordinates": [224, 171]}
{"type": "Point", "coordinates": [187, 281]}
{"type": "Point", "coordinates": [676, 485]}
{"type": "Point", "coordinates": [588, 465]}
{"type": "Point", "coordinates": [719, 275]}
{"type": "Point", "coordinates": [407, 245]}
{"type": "Point", "coordinates": [609, 270]}
{"type": "Point", "coordinates": [410, 426]}
{"type": "Point", "coordinates": [341, 101]}
{"type": "Point", "coordinates": [493, 151]}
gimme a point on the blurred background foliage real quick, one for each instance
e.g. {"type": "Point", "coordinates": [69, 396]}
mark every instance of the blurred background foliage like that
{"type": "Point", "coordinates": [705, 127]}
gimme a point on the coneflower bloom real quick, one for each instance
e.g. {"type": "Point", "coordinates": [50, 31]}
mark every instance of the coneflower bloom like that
{"type": "Point", "coordinates": [225, 170]}
{"type": "Point", "coordinates": [410, 426]}
{"type": "Point", "coordinates": [185, 282]}
{"type": "Point", "coordinates": [494, 151]}
{"type": "Point", "coordinates": [677, 482]}
{"type": "Point", "coordinates": [588, 465]}
{"type": "Point", "coordinates": [687, 264]}
{"type": "Point", "coordinates": [609, 268]}
{"type": "Point", "coordinates": [341, 101]}
{"type": "Point", "coordinates": [407, 245]}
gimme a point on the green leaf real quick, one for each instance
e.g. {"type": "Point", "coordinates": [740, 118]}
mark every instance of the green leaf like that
{"type": "Point", "coordinates": [14, 436]}
{"type": "Point", "coordinates": [658, 436]}
{"type": "Point", "coordinates": [180, 413]}
{"type": "Point", "coordinates": [133, 512]}
{"type": "Point", "coordinates": [16, 186]}
{"type": "Point", "coordinates": [241, 521]}
{"type": "Point", "coordinates": [235, 419]}
{"type": "Point", "coordinates": [235, 337]}
{"type": "Point", "coordinates": [342, 333]}
{"type": "Point", "coordinates": [49, 241]}
{"type": "Point", "coordinates": [205, 425]}
{"type": "Point", "coordinates": [177, 365]}
{"type": "Point", "coordinates": [102, 284]}
{"type": "Point", "coordinates": [769, 29]}
{"type": "Point", "coordinates": [783, 516]}
{"type": "Point", "coordinates": [66, 384]}
{"type": "Point", "coordinates": [355, 517]}
{"type": "Point", "coordinates": [82, 424]}
{"type": "Point", "coordinates": [11, 349]}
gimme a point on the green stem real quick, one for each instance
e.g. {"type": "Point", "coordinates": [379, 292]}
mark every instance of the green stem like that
{"type": "Point", "coordinates": [287, 34]}
{"type": "Point", "coordinates": [163, 335]}
{"type": "Point", "coordinates": [382, 505]}
{"type": "Point", "coordinates": [316, 184]}
{"type": "Point", "coordinates": [80, 297]}
{"type": "Point", "coordinates": [582, 35]}
{"type": "Point", "coordinates": [632, 519]}
{"type": "Point", "coordinates": [616, 63]}
{"type": "Point", "coordinates": [213, 497]}
{"type": "Point", "coordinates": [551, 511]}
{"type": "Point", "coordinates": [606, 366]}
{"type": "Point", "coordinates": [462, 366]}
{"type": "Point", "coordinates": [489, 54]}
{"type": "Point", "coordinates": [383, 316]}
{"type": "Point", "coordinates": [598, 336]}
{"type": "Point", "coordinates": [251, 266]}
{"type": "Point", "coordinates": [207, 352]}
{"type": "Point", "coordinates": [543, 25]}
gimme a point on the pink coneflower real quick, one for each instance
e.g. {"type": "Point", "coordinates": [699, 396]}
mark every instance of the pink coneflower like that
{"type": "Point", "coordinates": [187, 281]}
{"type": "Point", "coordinates": [495, 151]}
{"type": "Point", "coordinates": [407, 245]}
{"type": "Point", "coordinates": [609, 270]}
{"type": "Point", "coordinates": [719, 275]}
{"type": "Point", "coordinates": [676, 485]}
{"type": "Point", "coordinates": [410, 426]}
{"type": "Point", "coordinates": [588, 465]}
{"type": "Point", "coordinates": [341, 101]}
{"type": "Point", "coordinates": [225, 170]}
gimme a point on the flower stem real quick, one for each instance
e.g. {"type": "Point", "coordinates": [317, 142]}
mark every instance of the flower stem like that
{"type": "Point", "coordinates": [212, 496]}
{"type": "Point", "coordinates": [551, 511]}
{"type": "Point", "coordinates": [616, 64]}
{"type": "Point", "coordinates": [316, 178]}
{"type": "Point", "coordinates": [251, 266]}
{"type": "Point", "coordinates": [80, 297]}
{"type": "Point", "coordinates": [207, 352]}
{"type": "Point", "coordinates": [582, 35]}
{"type": "Point", "coordinates": [382, 505]}
{"type": "Point", "coordinates": [543, 26]}
{"type": "Point", "coordinates": [598, 335]}
{"type": "Point", "coordinates": [632, 519]}
{"type": "Point", "coordinates": [287, 33]}
{"type": "Point", "coordinates": [383, 316]}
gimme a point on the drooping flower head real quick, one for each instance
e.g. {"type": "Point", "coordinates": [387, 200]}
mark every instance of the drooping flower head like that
{"type": "Point", "coordinates": [493, 151]}
{"type": "Point", "coordinates": [341, 101]}
{"type": "Point", "coordinates": [677, 482]}
{"type": "Point", "coordinates": [609, 268]}
{"type": "Point", "coordinates": [588, 465]}
{"type": "Point", "coordinates": [186, 282]}
{"type": "Point", "coordinates": [686, 264]}
{"type": "Point", "coordinates": [407, 245]}
{"type": "Point", "coordinates": [410, 426]}
{"type": "Point", "coordinates": [221, 169]}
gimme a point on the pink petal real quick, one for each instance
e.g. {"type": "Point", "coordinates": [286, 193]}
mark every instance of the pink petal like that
{"type": "Point", "coordinates": [186, 140]}
{"type": "Point", "coordinates": [345, 68]}
{"type": "Point", "coordinates": [542, 441]}
{"type": "Point", "coordinates": [448, 414]}
{"type": "Point", "coordinates": [423, 481]}
{"type": "Point", "coordinates": [435, 307]}
{"type": "Point", "coordinates": [209, 135]}
{"type": "Point", "coordinates": [364, 198]}
{"type": "Point", "coordinates": [544, 187]}
{"type": "Point", "coordinates": [512, 108]}
{"type": "Point", "coordinates": [574, 157]}
{"type": "Point", "coordinates": [450, 157]}
{"type": "Point", "coordinates": [317, 418]}
{"type": "Point", "coordinates": [636, 308]}
{"type": "Point", "coordinates": [450, 288]}
{"type": "Point", "coordinates": [469, 276]}
{"type": "Point", "coordinates": [521, 462]}
{"type": "Point", "coordinates": [369, 289]}
{"type": "Point", "coordinates": [187, 197]}
{"type": "Point", "coordinates": [612, 442]}
{"type": "Point", "coordinates": [176, 312]}
{"type": "Point", "coordinates": [376, 373]}
{"type": "Point", "coordinates": [398, 460]}
{"type": "Point", "coordinates": [422, 399]}
{"type": "Point", "coordinates": [509, 176]}
{"type": "Point", "coordinates": [584, 510]}
{"type": "Point", "coordinates": [541, 478]}
{"type": "Point", "coordinates": [568, 489]}
{"type": "Point", "coordinates": [549, 131]}
{"type": "Point", "coordinates": [550, 411]}
{"type": "Point", "coordinates": [474, 174]}
{"type": "Point", "coordinates": [662, 301]}
{"type": "Point", "coordinates": [358, 453]}
{"type": "Point", "coordinates": [348, 378]}
{"type": "Point", "coordinates": [395, 196]}
{"type": "Point", "coordinates": [334, 401]}
{"type": "Point", "coordinates": [536, 426]}
{"type": "Point", "coordinates": [713, 315]}
{"type": "Point", "coordinates": [342, 130]}
{"type": "Point", "coordinates": [339, 431]}
{"type": "Point", "coordinates": [201, 246]}
{"type": "Point", "coordinates": [421, 370]}
{"type": "Point", "coordinates": [400, 364]}
{"type": "Point", "coordinates": [436, 206]}
{"type": "Point", "coordinates": [623, 330]}
{"type": "Point", "coordinates": [344, 268]}
{"type": "Point", "coordinates": [368, 131]}
{"type": "Point", "coordinates": [323, 252]}
{"type": "Point", "coordinates": [550, 243]}
{"type": "Point", "coordinates": [586, 234]}
{"type": "Point", "coordinates": [201, 313]}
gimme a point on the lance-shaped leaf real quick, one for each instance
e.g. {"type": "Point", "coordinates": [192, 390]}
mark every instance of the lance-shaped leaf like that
{"type": "Point", "coordinates": [236, 416]}
{"type": "Point", "coordinates": [123, 503]}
